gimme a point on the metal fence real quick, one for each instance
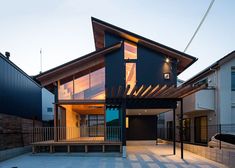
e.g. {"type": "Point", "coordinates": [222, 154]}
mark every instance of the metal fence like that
{"type": "Point", "coordinates": [220, 136]}
{"type": "Point", "coordinates": [12, 139]}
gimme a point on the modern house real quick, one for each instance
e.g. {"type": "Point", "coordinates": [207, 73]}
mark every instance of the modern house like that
{"type": "Point", "coordinates": [114, 94]}
{"type": "Point", "coordinates": [211, 110]}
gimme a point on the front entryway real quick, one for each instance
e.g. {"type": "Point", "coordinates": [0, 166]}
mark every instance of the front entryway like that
{"type": "Point", "coordinates": [141, 127]}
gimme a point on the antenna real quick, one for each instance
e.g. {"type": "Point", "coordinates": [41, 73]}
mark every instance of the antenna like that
{"type": "Point", "coordinates": [40, 60]}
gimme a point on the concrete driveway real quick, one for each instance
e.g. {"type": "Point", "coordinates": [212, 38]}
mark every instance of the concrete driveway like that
{"type": "Point", "coordinates": [140, 155]}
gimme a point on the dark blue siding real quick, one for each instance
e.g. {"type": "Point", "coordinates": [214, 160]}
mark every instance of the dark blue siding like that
{"type": "Point", "coordinates": [114, 64]}
{"type": "Point", "coordinates": [19, 95]}
{"type": "Point", "coordinates": [150, 67]}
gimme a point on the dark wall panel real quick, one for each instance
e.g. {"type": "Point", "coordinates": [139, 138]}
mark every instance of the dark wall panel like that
{"type": "Point", "coordinates": [114, 64]}
{"type": "Point", "coordinates": [19, 95]}
{"type": "Point", "coordinates": [151, 66]}
{"type": "Point", "coordinates": [141, 128]}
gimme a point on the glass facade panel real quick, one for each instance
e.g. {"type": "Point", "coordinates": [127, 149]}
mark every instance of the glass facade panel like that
{"type": "Point", "coordinates": [66, 91]}
{"type": "Point", "coordinates": [130, 51]}
{"type": "Point", "coordinates": [112, 117]}
{"type": "Point", "coordinates": [80, 86]}
{"type": "Point", "coordinates": [97, 85]}
{"type": "Point", "coordinates": [130, 75]}
{"type": "Point", "coordinates": [89, 86]}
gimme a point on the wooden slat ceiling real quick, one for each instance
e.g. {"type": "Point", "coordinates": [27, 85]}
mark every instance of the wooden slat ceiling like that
{"type": "Point", "coordinates": [153, 91]}
{"type": "Point", "coordinates": [100, 27]}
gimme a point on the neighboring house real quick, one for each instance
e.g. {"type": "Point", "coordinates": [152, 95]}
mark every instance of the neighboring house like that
{"type": "Point", "coordinates": [114, 93]}
{"type": "Point", "coordinates": [47, 105]}
{"type": "Point", "coordinates": [20, 102]}
{"type": "Point", "coordinates": [206, 110]}
{"type": "Point", "coordinates": [20, 95]}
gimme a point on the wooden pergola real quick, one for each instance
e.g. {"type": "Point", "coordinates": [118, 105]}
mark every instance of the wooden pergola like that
{"type": "Point", "coordinates": [158, 95]}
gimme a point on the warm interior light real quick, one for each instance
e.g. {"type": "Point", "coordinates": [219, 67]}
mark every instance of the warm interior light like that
{"type": "Point", "coordinates": [167, 60]}
{"type": "Point", "coordinates": [127, 122]}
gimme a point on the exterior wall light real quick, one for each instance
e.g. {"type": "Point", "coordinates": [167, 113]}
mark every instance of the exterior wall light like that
{"type": "Point", "coordinates": [166, 76]}
{"type": "Point", "coordinates": [167, 60]}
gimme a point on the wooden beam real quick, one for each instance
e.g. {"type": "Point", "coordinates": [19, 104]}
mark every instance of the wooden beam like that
{"type": "Point", "coordinates": [195, 89]}
{"type": "Point", "coordinates": [133, 90]}
{"type": "Point", "coordinates": [141, 90]}
{"type": "Point", "coordinates": [153, 91]}
{"type": "Point", "coordinates": [91, 101]}
{"type": "Point", "coordinates": [160, 90]}
{"type": "Point", "coordinates": [126, 90]}
{"type": "Point", "coordinates": [163, 89]}
{"type": "Point", "coordinates": [167, 91]}
{"type": "Point", "coordinates": [181, 89]}
{"type": "Point", "coordinates": [147, 91]}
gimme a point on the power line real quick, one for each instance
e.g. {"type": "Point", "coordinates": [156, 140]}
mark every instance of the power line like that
{"type": "Point", "coordinates": [198, 27]}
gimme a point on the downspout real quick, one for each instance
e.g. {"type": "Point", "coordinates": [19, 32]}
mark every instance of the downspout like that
{"type": "Point", "coordinates": [216, 98]}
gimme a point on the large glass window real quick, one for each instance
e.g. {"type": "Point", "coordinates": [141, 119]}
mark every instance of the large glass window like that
{"type": "Point", "coordinates": [66, 90]}
{"type": "Point", "coordinates": [130, 50]}
{"type": "Point", "coordinates": [112, 117]}
{"type": "Point", "coordinates": [233, 79]}
{"type": "Point", "coordinates": [89, 86]}
{"type": "Point", "coordinates": [130, 75]}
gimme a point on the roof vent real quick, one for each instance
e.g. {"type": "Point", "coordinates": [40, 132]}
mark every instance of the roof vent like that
{"type": "Point", "coordinates": [7, 54]}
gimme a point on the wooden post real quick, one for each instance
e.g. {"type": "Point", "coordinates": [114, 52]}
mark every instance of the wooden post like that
{"type": "Point", "coordinates": [124, 128]}
{"type": "Point", "coordinates": [181, 130]}
{"type": "Point", "coordinates": [56, 111]}
{"type": "Point", "coordinates": [156, 129]}
{"type": "Point", "coordinates": [174, 131]}
{"type": "Point", "coordinates": [55, 122]}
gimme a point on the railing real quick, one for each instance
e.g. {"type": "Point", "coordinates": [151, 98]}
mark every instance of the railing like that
{"type": "Point", "coordinates": [83, 133]}
{"type": "Point", "coordinates": [219, 136]}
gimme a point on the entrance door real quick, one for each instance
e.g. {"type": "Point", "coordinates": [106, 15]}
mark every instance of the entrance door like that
{"type": "Point", "coordinates": [200, 124]}
{"type": "Point", "coordinates": [141, 128]}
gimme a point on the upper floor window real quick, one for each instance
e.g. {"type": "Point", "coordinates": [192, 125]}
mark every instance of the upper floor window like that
{"type": "Point", "coordinates": [130, 51]}
{"type": "Point", "coordinates": [130, 75]}
{"type": "Point", "coordinates": [88, 86]}
{"type": "Point", "coordinates": [233, 79]}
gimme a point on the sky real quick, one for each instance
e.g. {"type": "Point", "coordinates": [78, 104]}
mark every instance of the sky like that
{"type": "Point", "coordinates": [63, 30]}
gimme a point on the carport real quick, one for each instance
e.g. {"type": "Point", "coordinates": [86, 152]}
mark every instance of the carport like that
{"type": "Point", "coordinates": [150, 97]}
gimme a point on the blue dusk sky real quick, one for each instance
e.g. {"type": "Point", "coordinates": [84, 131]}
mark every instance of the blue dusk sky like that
{"type": "Point", "coordinates": [62, 28]}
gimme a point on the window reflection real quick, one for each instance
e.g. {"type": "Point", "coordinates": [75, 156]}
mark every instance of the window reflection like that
{"type": "Point", "coordinates": [66, 91]}
{"type": "Point", "coordinates": [130, 75]}
{"type": "Point", "coordinates": [89, 86]}
{"type": "Point", "coordinates": [130, 50]}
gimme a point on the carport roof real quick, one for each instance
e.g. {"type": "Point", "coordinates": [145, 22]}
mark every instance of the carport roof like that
{"type": "Point", "coordinates": [153, 91]}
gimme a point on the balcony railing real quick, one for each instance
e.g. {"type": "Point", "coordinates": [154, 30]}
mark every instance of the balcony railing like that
{"type": "Point", "coordinates": [79, 134]}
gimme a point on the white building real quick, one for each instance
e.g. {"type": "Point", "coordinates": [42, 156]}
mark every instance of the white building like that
{"type": "Point", "coordinates": [47, 105]}
{"type": "Point", "coordinates": [206, 110]}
